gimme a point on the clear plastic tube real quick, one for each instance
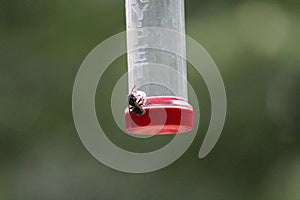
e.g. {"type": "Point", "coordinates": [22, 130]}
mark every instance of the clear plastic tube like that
{"type": "Point", "coordinates": [159, 73]}
{"type": "Point", "coordinates": [142, 63]}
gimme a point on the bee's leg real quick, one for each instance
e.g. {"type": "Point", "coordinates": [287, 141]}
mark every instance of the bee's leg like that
{"type": "Point", "coordinates": [130, 109]}
{"type": "Point", "coordinates": [139, 102]}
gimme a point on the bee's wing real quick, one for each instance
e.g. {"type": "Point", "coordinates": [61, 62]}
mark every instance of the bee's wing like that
{"type": "Point", "coordinates": [140, 108]}
{"type": "Point", "coordinates": [137, 105]}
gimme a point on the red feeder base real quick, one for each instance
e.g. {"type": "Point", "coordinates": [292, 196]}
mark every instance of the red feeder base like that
{"type": "Point", "coordinates": [164, 115]}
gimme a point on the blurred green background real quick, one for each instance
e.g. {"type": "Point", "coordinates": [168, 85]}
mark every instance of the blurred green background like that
{"type": "Point", "coordinates": [256, 46]}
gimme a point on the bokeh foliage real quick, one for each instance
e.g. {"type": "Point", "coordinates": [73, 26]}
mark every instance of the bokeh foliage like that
{"type": "Point", "coordinates": [256, 47]}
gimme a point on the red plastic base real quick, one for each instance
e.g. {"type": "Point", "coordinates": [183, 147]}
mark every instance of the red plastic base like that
{"type": "Point", "coordinates": [164, 115]}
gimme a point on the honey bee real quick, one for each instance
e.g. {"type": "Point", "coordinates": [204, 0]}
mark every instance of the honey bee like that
{"type": "Point", "coordinates": [135, 104]}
